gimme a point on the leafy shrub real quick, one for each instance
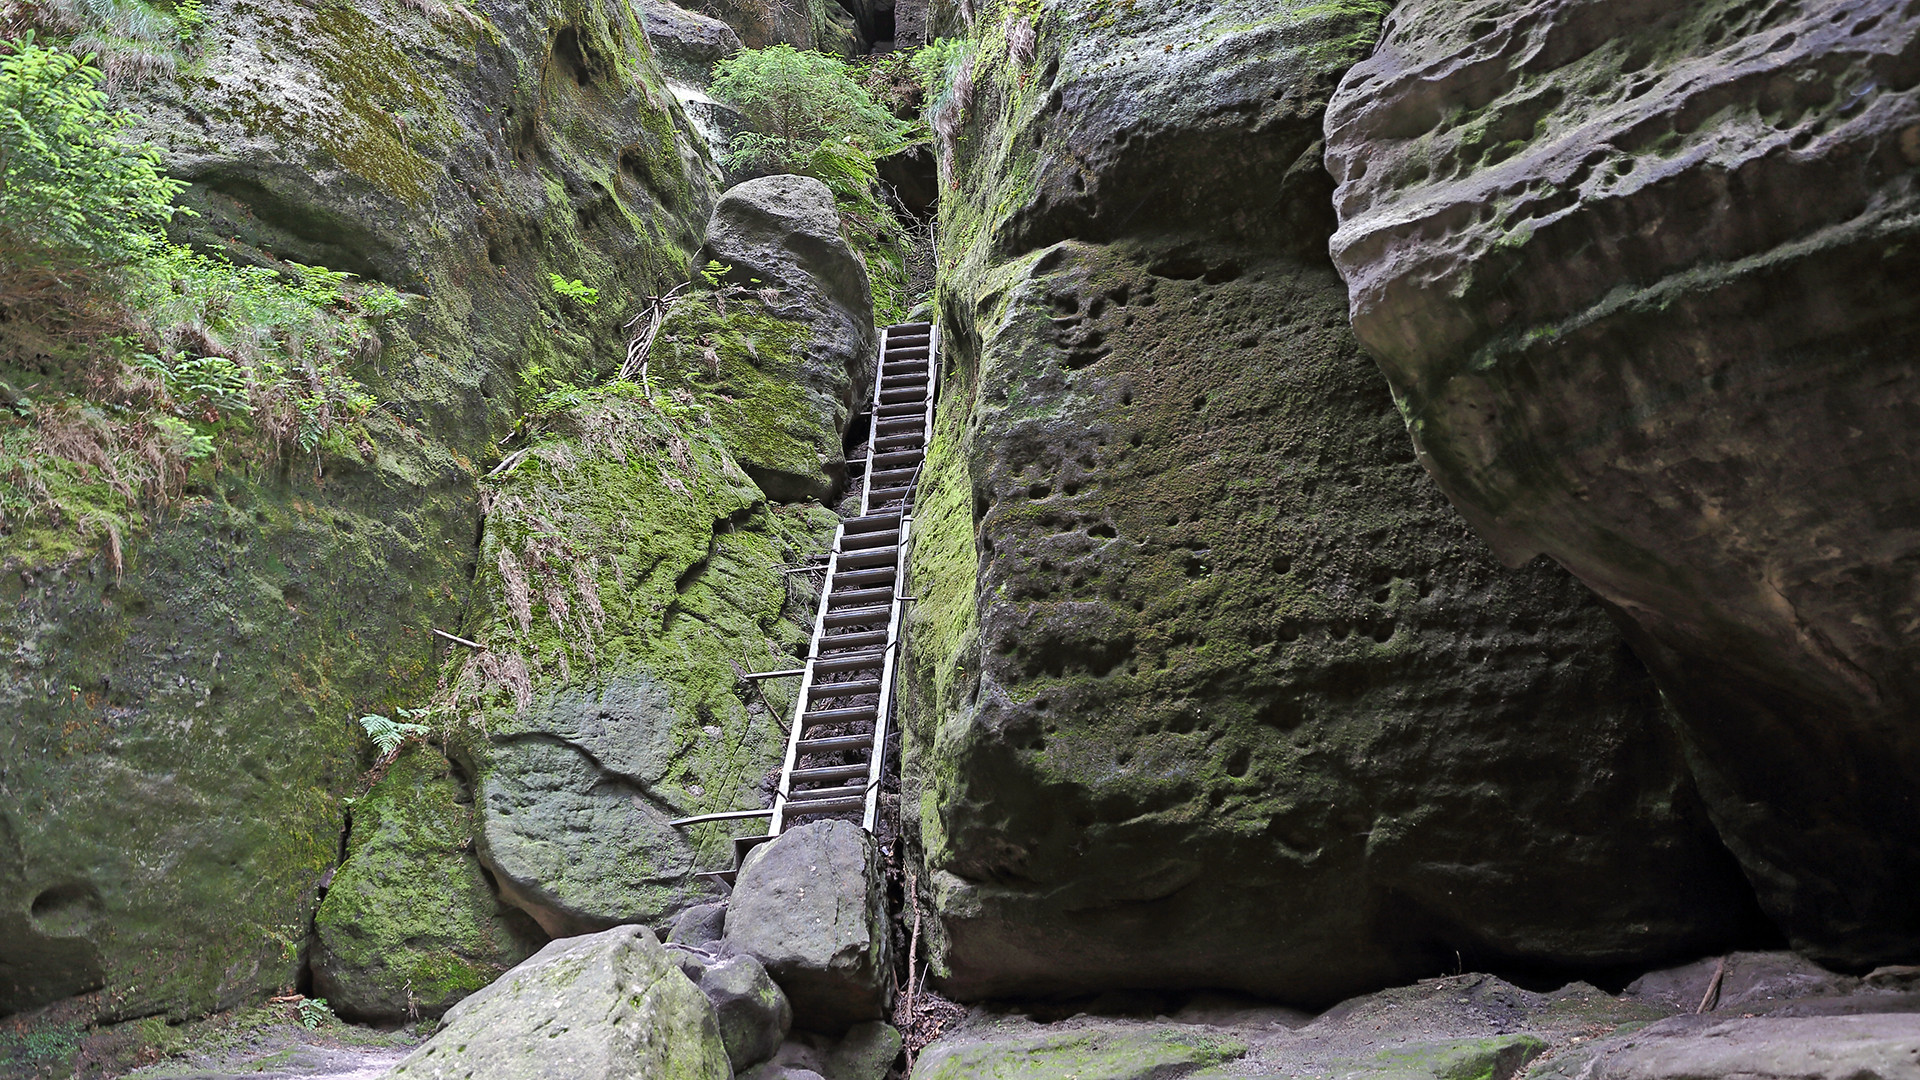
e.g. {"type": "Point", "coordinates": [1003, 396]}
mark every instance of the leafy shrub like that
{"type": "Point", "coordinates": [799, 105]}
{"type": "Point", "coordinates": [70, 190]}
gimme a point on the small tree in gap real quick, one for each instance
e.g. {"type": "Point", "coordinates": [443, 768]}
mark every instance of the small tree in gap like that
{"type": "Point", "coordinates": [808, 114]}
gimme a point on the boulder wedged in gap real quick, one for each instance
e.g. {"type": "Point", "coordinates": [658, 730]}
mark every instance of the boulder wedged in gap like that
{"type": "Point", "coordinates": [781, 358]}
{"type": "Point", "coordinates": [811, 905]}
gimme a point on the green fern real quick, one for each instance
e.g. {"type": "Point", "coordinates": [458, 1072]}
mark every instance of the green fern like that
{"type": "Point", "coordinates": [388, 734]}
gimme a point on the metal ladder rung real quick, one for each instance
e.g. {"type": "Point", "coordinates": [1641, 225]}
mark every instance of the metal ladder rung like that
{"type": "Point", "coordinates": [871, 523]}
{"type": "Point", "coordinates": [828, 806]}
{"type": "Point", "coordinates": [829, 772]}
{"type": "Point", "coordinates": [835, 742]}
{"type": "Point", "coordinates": [865, 541]}
{"type": "Point", "coordinates": [857, 578]}
{"type": "Point", "coordinates": [867, 558]}
{"type": "Point", "coordinates": [842, 689]}
{"type": "Point", "coordinates": [825, 717]}
{"type": "Point", "coordinates": [858, 662]}
{"type": "Point", "coordinates": [856, 640]}
{"type": "Point", "coordinates": [857, 598]}
{"type": "Point", "coordinates": [858, 616]}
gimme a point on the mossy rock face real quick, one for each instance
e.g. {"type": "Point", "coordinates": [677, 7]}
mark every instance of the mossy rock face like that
{"type": "Point", "coordinates": [409, 925]}
{"type": "Point", "coordinates": [1646, 299]}
{"type": "Point", "coordinates": [180, 729]}
{"type": "Point", "coordinates": [181, 734]}
{"type": "Point", "coordinates": [749, 367]}
{"type": "Point", "coordinates": [1097, 1053]}
{"type": "Point", "coordinates": [1207, 685]}
{"type": "Point", "coordinates": [628, 578]}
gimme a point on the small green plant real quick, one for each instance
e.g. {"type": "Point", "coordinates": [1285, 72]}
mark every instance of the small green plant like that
{"type": "Point", "coordinates": [313, 1012]}
{"type": "Point", "coordinates": [937, 62]}
{"type": "Point", "coordinates": [715, 272]}
{"type": "Point", "coordinates": [575, 290]}
{"type": "Point", "coordinates": [389, 734]}
{"type": "Point", "coordinates": [190, 16]}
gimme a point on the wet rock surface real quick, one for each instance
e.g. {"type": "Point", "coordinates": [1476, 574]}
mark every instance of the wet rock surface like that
{"type": "Point", "coordinates": [608, 1005]}
{"type": "Point", "coordinates": [1640, 275]}
{"type": "Point", "coordinates": [1208, 686]}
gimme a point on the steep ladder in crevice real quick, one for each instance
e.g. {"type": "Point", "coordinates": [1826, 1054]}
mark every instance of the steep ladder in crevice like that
{"type": "Point", "coordinates": [836, 746]}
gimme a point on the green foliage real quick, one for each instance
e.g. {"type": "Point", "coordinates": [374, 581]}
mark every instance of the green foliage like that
{"type": "Point", "coordinates": [70, 189]}
{"type": "Point", "coordinates": [574, 290]}
{"type": "Point", "coordinates": [389, 735]}
{"type": "Point", "coordinates": [160, 356]}
{"type": "Point", "coordinates": [938, 62]}
{"type": "Point", "coordinates": [283, 346]}
{"type": "Point", "coordinates": [797, 103]}
{"type": "Point", "coordinates": [715, 272]}
{"type": "Point", "coordinates": [190, 16]}
{"type": "Point", "coordinates": [40, 1049]}
{"type": "Point", "coordinates": [313, 1012]}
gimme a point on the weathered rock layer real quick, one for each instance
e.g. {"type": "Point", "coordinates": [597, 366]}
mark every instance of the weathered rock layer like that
{"type": "Point", "coordinates": [1642, 277]}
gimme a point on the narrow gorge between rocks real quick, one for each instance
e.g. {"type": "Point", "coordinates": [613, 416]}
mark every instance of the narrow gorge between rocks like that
{"type": "Point", "coordinates": [950, 539]}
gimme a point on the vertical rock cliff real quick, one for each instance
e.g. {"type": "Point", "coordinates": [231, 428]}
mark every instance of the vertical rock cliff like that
{"type": "Point", "coordinates": [1210, 687]}
{"type": "Point", "coordinates": [1643, 277]}
{"type": "Point", "coordinates": [179, 733]}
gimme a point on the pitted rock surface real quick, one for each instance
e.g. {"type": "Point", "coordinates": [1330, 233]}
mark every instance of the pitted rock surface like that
{"type": "Point", "coordinates": [1207, 685]}
{"type": "Point", "coordinates": [1641, 275]}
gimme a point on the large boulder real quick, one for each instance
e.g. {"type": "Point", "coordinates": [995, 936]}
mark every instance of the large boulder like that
{"type": "Point", "coordinates": [409, 925]}
{"type": "Point", "coordinates": [1206, 684]}
{"type": "Point", "coordinates": [1641, 276]}
{"type": "Point", "coordinates": [781, 236]}
{"type": "Point", "coordinates": [811, 904]}
{"type": "Point", "coordinates": [686, 43]}
{"type": "Point", "coordinates": [606, 1006]}
{"type": "Point", "coordinates": [628, 574]}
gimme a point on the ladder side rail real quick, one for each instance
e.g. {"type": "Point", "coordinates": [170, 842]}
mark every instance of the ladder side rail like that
{"type": "Point", "coordinates": [806, 687]}
{"type": "Point", "coordinates": [873, 416]}
{"type": "Point", "coordinates": [933, 387]}
{"type": "Point", "coordinates": [877, 760]}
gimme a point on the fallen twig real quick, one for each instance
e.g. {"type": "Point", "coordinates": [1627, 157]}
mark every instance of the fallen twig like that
{"type": "Point", "coordinates": [1711, 998]}
{"type": "Point", "coordinates": [458, 640]}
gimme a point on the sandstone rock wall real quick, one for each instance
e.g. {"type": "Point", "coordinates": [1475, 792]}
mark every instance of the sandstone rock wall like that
{"type": "Point", "coordinates": [1209, 687]}
{"type": "Point", "coordinates": [1642, 276]}
{"type": "Point", "coordinates": [179, 734]}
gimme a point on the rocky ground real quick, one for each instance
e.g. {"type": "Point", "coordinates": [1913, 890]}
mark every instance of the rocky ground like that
{"type": "Point", "coordinates": [1765, 1015]}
